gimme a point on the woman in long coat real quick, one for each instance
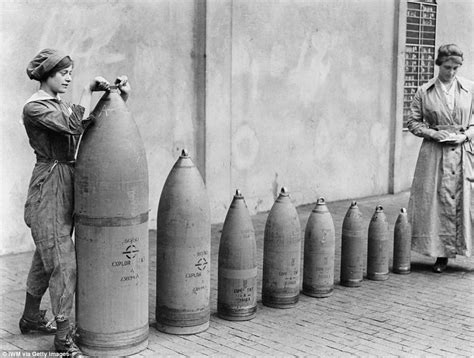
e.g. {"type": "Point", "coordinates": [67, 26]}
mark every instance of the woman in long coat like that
{"type": "Point", "coordinates": [439, 206]}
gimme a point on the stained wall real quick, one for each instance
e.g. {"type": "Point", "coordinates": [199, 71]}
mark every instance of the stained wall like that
{"type": "Point", "coordinates": [153, 42]}
{"type": "Point", "coordinates": [264, 93]}
{"type": "Point", "coordinates": [307, 86]}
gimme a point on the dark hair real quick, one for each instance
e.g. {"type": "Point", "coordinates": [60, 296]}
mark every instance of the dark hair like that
{"type": "Point", "coordinates": [446, 52]}
{"type": "Point", "coordinates": [64, 63]}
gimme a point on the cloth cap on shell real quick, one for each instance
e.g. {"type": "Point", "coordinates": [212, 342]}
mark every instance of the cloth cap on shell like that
{"type": "Point", "coordinates": [43, 62]}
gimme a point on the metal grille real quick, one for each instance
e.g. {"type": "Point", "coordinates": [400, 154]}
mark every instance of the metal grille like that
{"type": "Point", "coordinates": [419, 49]}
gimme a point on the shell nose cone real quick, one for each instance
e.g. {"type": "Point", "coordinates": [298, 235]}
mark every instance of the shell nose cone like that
{"type": "Point", "coordinates": [320, 206]}
{"type": "Point", "coordinates": [284, 195]}
{"type": "Point", "coordinates": [184, 153]}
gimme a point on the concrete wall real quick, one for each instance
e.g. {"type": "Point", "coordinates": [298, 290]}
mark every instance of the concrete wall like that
{"type": "Point", "coordinates": [306, 86]}
{"type": "Point", "coordinates": [156, 43]}
{"type": "Point", "coordinates": [264, 93]}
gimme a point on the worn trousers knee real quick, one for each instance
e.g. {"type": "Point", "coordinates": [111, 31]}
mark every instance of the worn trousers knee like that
{"type": "Point", "coordinates": [54, 266]}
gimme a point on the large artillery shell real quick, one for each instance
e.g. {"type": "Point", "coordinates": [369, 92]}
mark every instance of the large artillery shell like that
{"type": "Point", "coordinates": [237, 271]}
{"type": "Point", "coordinates": [402, 244]}
{"type": "Point", "coordinates": [281, 254]}
{"type": "Point", "coordinates": [352, 270]}
{"type": "Point", "coordinates": [319, 252]}
{"type": "Point", "coordinates": [183, 247]}
{"type": "Point", "coordinates": [377, 246]}
{"type": "Point", "coordinates": [111, 223]}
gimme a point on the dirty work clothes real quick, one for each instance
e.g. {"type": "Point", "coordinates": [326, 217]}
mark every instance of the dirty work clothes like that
{"type": "Point", "coordinates": [49, 213]}
{"type": "Point", "coordinates": [53, 128]}
{"type": "Point", "coordinates": [439, 207]}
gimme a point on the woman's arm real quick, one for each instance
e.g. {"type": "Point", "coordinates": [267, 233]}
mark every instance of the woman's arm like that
{"type": "Point", "coordinates": [85, 100]}
{"type": "Point", "coordinates": [418, 126]}
{"type": "Point", "coordinates": [97, 84]}
{"type": "Point", "coordinates": [470, 127]}
{"type": "Point", "coordinates": [415, 124]}
{"type": "Point", "coordinates": [41, 113]}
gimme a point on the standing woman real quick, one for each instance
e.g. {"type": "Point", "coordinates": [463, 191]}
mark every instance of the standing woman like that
{"type": "Point", "coordinates": [439, 207]}
{"type": "Point", "coordinates": [54, 128]}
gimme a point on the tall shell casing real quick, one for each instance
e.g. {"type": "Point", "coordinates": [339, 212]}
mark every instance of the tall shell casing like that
{"type": "Point", "coordinates": [111, 223]}
{"type": "Point", "coordinates": [352, 264]}
{"type": "Point", "coordinates": [319, 252]}
{"type": "Point", "coordinates": [183, 249]}
{"type": "Point", "coordinates": [237, 264]}
{"type": "Point", "coordinates": [281, 254]}
{"type": "Point", "coordinates": [377, 246]}
{"type": "Point", "coordinates": [402, 244]}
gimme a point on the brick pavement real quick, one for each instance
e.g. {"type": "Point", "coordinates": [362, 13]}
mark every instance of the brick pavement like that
{"type": "Point", "coordinates": [420, 314]}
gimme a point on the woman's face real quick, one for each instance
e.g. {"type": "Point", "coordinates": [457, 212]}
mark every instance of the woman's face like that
{"type": "Point", "coordinates": [60, 81]}
{"type": "Point", "coordinates": [448, 70]}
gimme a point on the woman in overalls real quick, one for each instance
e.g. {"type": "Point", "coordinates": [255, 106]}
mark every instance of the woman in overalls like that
{"type": "Point", "coordinates": [54, 128]}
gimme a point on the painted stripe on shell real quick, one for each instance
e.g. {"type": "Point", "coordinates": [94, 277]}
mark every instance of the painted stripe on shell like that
{"type": "Point", "coordinates": [238, 274]}
{"type": "Point", "coordinates": [113, 221]}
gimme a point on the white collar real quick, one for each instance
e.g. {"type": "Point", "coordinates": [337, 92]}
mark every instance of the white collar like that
{"type": "Point", "coordinates": [41, 95]}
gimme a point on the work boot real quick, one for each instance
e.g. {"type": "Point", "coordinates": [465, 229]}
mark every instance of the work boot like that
{"type": "Point", "coordinates": [63, 342]}
{"type": "Point", "coordinates": [39, 324]}
{"type": "Point", "coordinates": [440, 264]}
{"type": "Point", "coordinates": [67, 346]}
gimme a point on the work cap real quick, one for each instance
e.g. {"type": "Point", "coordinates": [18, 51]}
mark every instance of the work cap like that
{"type": "Point", "coordinates": [43, 63]}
